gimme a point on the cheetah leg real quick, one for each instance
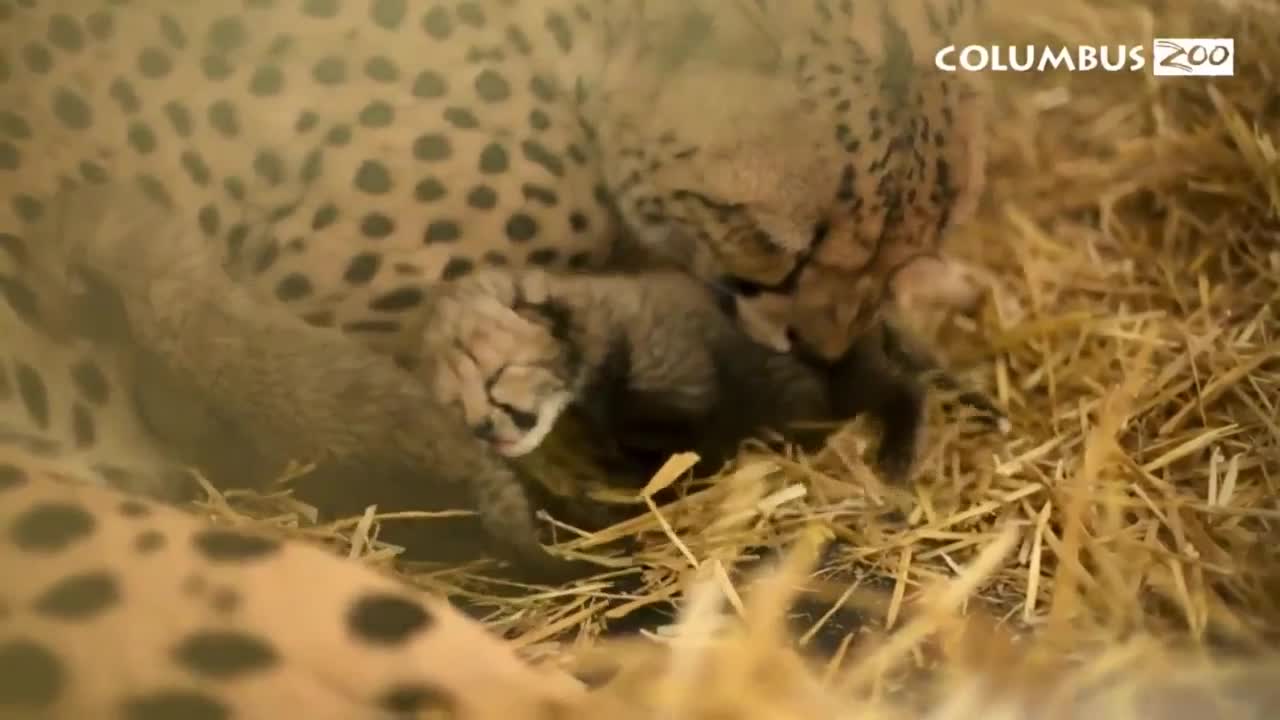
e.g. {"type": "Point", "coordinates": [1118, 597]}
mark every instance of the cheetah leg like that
{"type": "Point", "coordinates": [887, 374]}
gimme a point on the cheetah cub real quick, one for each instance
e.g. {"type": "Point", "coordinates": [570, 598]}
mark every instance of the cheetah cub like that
{"type": "Point", "coordinates": [236, 386]}
{"type": "Point", "coordinates": [655, 366]}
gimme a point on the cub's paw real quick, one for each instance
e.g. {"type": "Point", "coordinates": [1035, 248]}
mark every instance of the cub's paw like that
{"type": "Point", "coordinates": [975, 412]}
{"type": "Point", "coordinates": [494, 347]}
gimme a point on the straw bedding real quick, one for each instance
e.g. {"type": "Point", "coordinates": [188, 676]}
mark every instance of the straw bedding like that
{"type": "Point", "coordinates": [1129, 249]}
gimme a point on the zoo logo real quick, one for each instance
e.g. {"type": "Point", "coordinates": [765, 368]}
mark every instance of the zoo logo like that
{"type": "Point", "coordinates": [1193, 57]}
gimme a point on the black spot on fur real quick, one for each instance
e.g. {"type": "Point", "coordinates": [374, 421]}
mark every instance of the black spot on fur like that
{"type": "Point", "coordinates": [543, 256]}
{"type": "Point", "coordinates": [319, 318]}
{"type": "Point", "coordinates": [491, 86]}
{"type": "Point", "coordinates": [227, 34]}
{"type": "Point", "coordinates": [172, 704]}
{"type": "Point", "coordinates": [330, 71]}
{"type": "Point", "coordinates": [461, 118]}
{"type": "Point", "coordinates": [411, 699]}
{"type": "Point", "coordinates": [377, 114]}
{"type": "Point", "coordinates": [397, 300]}
{"type": "Point", "coordinates": [216, 67]}
{"type": "Point", "coordinates": [71, 110]}
{"type": "Point", "coordinates": [114, 475]}
{"type": "Point", "coordinates": [441, 231]}
{"type": "Point", "coordinates": [494, 159]}
{"type": "Point", "coordinates": [536, 152]}
{"type": "Point", "coordinates": [429, 190]}
{"type": "Point", "coordinates": [544, 89]}
{"type": "Point", "coordinates": [267, 80]}
{"type": "Point", "coordinates": [38, 58]}
{"type": "Point", "coordinates": [83, 430]}
{"type": "Point", "coordinates": [381, 69]}
{"type": "Point", "coordinates": [521, 228]}
{"type": "Point", "coordinates": [195, 167]}
{"type": "Point", "coordinates": [320, 8]}
{"type": "Point", "coordinates": [79, 597]}
{"type": "Point", "coordinates": [154, 63]}
{"type": "Point", "coordinates": [172, 32]}
{"type": "Point", "coordinates": [101, 24]}
{"type": "Point", "coordinates": [293, 287]}
{"type": "Point", "coordinates": [430, 84]}
{"type": "Point", "coordinates": [122, 92]}
{"type": "Point", "coordinates": [65, 33]}
{"type": "Point", "coordinates": [437, 23]}
{"type": "Point", "coordinates": [14, 125]}
{"type": "Point", "coordinates": [380, 618]}
{"type": "Point", "coordinates": [376, 225]}
{"type": "Point", "coordinates": [471, 14]}
{"type": "Point", "coordinates": [558, 26]}
{"type": "Point", "coordinates": [92, 172]}
{"type": "Point", "coordinates": [339, 135]}
{"type": "Point", "coordinates": [456, 268]}
{"type": "Point", "coordinates": [51, 526]}
{"type": "Point", "coordinates": [31, 677]}
{"type": "Point", "coordinates": [155, 190]}
{"type": "Point", "coordinates": [268, 166]}
{"type": "Point", "coordinates": [209, 220]}
{"type": "Point", "coordinates": [388, 14]}
{"type": "Point", "coordinates": [307, 121]}
{"type": "Point", "coordinates": [223, 118]}
{"type": "Point", "coordinates": [361, 268]}
{"type": "Point", "coordinates": [225, 601]}
{"type": "Point", "coordinates": [372, 326]}
{"type": "Point", "coordinates": [11, 476]}
{"type": "Point", "coordinates": [222, 545]}
{"type": "Point", "coordinates": [540, 194]}
{"type": "Point", "coordinates": [21, 300]}
{"type": "Point", "coordinates": [432, 147]}
{"type": "Point", "coordinates": [519, 40]}
{"type": "Point", "coordinates": [325, 216]}
{"type": "Point", "coordinates": [372, 177]}
{"type": "Point", "coordinates": [224, 654]}
{"type": "Point", "coordinates": [134, 509]}
{"type": "Point", "coordinates": [482, 197]}
{"type": "Point", "coordinates": [148, 541]}
{"type": "Point", "coordinates": [27, 208]}
{"type": "Point", "coordinates": [9, 156]}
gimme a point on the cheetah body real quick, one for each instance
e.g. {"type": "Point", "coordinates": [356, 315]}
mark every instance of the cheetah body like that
{"type": "Point", "coordinates": [344, 157]}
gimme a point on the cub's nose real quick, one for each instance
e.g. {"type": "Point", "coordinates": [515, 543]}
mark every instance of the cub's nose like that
{"type": "Point", "coordinates": [485, 430]}
{"type": "Point", "coordinates": [807, 353]}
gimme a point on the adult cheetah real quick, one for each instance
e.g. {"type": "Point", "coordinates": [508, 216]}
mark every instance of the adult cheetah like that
{"type": "Point", "coordinates": [117, 606]}
{"type": "Point", "coordinates": [344, 158]}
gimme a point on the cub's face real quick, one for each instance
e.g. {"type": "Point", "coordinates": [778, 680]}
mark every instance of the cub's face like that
{"type": "Point", "coordinates": [493, 350]}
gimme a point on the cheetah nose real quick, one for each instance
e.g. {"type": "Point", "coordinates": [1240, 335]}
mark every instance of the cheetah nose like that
{"type": "Point", "coordinates": [485, 430]}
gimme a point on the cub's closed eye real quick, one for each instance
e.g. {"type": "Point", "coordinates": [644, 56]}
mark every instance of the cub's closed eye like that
{"type": "Point", "coordinates": [820, 233]}
{"type": "Point", "coordinates": [741, 287]}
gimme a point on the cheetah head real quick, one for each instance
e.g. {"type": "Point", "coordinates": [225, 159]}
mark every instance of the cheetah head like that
{"type": "Point", "coordinates": [801, 196]}
{"type": "Point", "coordinates": [511, 403]}
{"type": "Point", "coordinates": [495, 350]}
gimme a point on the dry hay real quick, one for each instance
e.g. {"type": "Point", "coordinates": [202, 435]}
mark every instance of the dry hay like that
{"type": "Point", "coordinates": [1131, 249]}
